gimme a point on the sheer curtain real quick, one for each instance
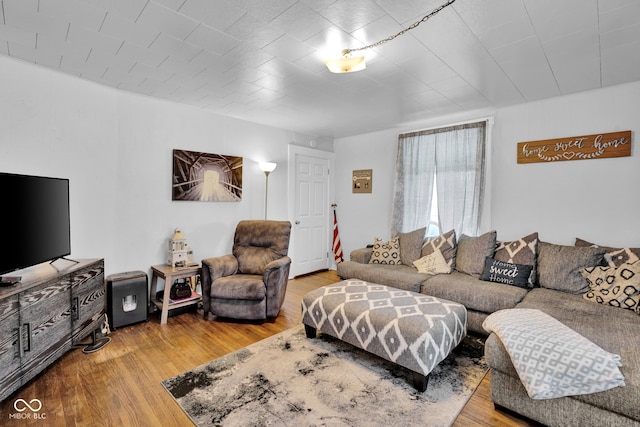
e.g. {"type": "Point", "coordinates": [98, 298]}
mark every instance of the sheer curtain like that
{"type": "Point", "coordinates": [450, 158]}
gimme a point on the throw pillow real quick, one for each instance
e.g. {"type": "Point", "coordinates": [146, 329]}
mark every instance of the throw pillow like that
{"type": "Point", "coordinates": [559, 266]}
{"type": "Point", "coordinates": [522, 251]}
{"type": "Point", "coordinates": [506, 272]}
{"type": "Point", "coordinates": [445, 243]}
{"type": "Point", "coordinates": [615, 256]}
{"type": "Point", "coordinates": [386, 252]}
{"type": "Point", "coordinates": [618, 287]}
{"type": "Point", "coordinates": [433, 263]}
{"type": "Point", "coordinates": [472, 251]}
{"type": "Point", "coordinates": [411, 245]}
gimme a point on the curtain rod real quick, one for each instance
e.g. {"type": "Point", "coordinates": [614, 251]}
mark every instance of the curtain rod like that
{"type": "Point", "coordinates": [488, 119]}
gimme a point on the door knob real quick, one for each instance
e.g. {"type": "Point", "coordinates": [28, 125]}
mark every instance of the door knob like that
{"type": "Point", "coordinates": [297, 222]}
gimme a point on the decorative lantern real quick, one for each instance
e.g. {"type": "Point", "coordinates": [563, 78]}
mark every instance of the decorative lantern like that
{"type": "Point", "coordinates": [180, 255]}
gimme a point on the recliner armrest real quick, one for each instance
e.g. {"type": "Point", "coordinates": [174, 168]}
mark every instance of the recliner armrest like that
{"type": "Point", "coordinates": [273, 266]}
{"type": "Point", "coordinates": [275, 278]}
{"type": "Point", "coordinates": [362, 255]}
{"type": "Point", "coordinates": [220, 266]}
{"type": "Point", "coordinates": [213, 268]}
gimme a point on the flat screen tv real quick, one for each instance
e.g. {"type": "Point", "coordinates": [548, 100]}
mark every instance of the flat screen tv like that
{"type": "Point", "coordinates": [36, 223]}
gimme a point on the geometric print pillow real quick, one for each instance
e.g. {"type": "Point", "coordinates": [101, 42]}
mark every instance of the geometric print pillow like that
{"type": "Point", "coordinates": [615, 257]}
{"type": "Point", "coordinates": [446, 244]}
{"type": "Point", "coordinates": [386, 252]}
{"type": "Point", "coordinates": [522, 251]}
{"type": "Point", "coordinates": [617, 287]}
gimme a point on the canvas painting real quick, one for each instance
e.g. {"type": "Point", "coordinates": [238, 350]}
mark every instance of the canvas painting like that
{"type": "Point", "coordinates": [206, 177]}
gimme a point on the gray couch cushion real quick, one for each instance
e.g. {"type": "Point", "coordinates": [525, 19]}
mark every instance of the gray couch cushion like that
{"type": "Point", "coordinates": [614, 329]}
{"type": "Point", "coordinates": [399, 276]}
{"type": "Point", "coordinates": [473, 293]}
{"type": "Point", "coordinates": [609, 327]}
{"type": "Point", "coordinates": [559, 266]}
{"type": "Point", "coordinates": [362, 255]}
{"type": "Point", "coordinates": [411, 245]}
{"type": "Point", "coordinates": [472, 252]}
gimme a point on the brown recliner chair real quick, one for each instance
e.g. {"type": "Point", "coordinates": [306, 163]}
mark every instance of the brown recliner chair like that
{"type": "Point", "coordinates": [250, 283]}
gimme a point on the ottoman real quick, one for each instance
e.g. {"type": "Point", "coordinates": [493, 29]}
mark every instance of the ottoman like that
{"type": "Point", "coordinates": [413, 330]}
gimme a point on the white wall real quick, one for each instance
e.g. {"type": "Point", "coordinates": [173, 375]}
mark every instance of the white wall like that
{"type": "Point", "coordinates": [592, 199]}
{"type": "Point", "coordinates": [58, 126]}
{"type": "Point", "coordinates": [116, 148]}
{"type": "Point", "coordinates": [363, 216]}
{"type": "Point", "coordinates": [149, 131]}
{"type": "Point", "coordinates": [596, 200]}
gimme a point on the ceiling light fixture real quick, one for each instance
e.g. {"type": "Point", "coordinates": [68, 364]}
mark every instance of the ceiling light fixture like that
{"type": "Point", "coordinates": [348, 63]}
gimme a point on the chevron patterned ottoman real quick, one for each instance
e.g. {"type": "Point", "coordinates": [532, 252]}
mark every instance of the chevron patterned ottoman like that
{"type": "Point", "coordinates": [413, 330]}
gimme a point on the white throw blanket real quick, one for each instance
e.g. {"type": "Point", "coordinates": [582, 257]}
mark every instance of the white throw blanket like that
{"type": "Point", "coordinates": [553, 360]}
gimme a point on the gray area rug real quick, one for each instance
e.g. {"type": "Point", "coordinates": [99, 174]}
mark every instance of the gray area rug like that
{"type": "Point", "coordinates": [291, 380]}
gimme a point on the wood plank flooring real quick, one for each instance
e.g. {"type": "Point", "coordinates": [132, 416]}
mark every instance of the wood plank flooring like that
{"type": "Point", "coordinates": [119, 385]}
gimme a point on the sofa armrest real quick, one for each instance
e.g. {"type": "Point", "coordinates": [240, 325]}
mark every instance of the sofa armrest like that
{"type": "Point", "coordinates": [362, 255]}
{"type": "Point", "coordinates": [213, 268]}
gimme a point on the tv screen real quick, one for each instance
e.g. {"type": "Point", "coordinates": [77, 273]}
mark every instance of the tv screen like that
{"type": "Point", "coordinates": [36, 220]}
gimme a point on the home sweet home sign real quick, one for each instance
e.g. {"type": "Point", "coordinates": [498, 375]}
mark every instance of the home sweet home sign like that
{"type": "Point", "coordinates": [598, 146]}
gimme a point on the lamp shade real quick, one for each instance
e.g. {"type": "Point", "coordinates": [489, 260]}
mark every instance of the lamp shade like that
{"type": "Point", "coordinates": [267, 166]}
{"type": "Point", "coordinates": [346, 64]}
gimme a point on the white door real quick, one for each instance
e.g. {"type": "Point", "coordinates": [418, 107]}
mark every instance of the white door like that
{"type": "Point", "coordinates": [309, 210]}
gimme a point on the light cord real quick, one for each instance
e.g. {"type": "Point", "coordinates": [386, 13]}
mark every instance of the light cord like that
{"type": "Point", "coordinates": [409, 28]}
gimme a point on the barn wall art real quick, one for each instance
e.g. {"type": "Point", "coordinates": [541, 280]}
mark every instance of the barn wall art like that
{"type": "Point", "coordinates": [206, 177]}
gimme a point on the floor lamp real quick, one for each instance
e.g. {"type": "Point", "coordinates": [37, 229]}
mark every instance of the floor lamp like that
{"type": "Point", "coordinates": [267, 168]}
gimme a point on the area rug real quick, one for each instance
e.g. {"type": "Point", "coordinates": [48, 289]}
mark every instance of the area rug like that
{"type": "Point", "coordinates": [291, 380]}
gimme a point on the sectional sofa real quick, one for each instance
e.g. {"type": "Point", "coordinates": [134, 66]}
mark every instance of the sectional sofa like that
{"type": "Point", "coordinates": [592, 289]}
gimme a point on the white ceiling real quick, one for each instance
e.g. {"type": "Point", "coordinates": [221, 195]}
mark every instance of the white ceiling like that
{"type": "Point", "coordinates": [261, 60]}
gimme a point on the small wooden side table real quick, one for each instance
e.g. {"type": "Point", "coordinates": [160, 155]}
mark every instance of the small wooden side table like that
{"type": "Point", "coordinates": [169, 274]}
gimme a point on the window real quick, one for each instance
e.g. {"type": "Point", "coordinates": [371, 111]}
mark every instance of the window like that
{"type": "Point", "coordinates": [433, 224]}
{"type": "Point", "coordinates": [439, 179]}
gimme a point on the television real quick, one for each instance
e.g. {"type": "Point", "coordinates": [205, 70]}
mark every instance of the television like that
{"type": "Point", "coordinates": [36, 222]}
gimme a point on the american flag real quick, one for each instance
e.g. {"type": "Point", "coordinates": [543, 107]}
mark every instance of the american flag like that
{"type": "Point", "coordinates": [337, 247]}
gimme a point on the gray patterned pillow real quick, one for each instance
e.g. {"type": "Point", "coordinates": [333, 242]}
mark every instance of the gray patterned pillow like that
{"type": "Point", "coordinates": [559, 266]}
{"type": "Point", "coordinates": [472, 252]}
{"type": "Point", "coordinates": [386, 252]}
{"type": "Point", "coordinates": [445, 243]}
{"type": "Point", "coordinates": [411, 245]}
{"type": "Point", "coordinates": [617, 287]}
{"type": "Point", "coordinates": [615, 256]}
{"type": "Point", "coordinates": [523, 251]}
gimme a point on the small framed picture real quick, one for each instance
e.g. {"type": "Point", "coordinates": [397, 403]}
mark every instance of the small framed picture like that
{"type": "Point", "coordinates": [362, 181]}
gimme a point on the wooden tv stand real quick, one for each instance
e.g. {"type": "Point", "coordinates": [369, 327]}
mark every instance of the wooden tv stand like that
{"type": "Point", "coordinates": [49, 312]}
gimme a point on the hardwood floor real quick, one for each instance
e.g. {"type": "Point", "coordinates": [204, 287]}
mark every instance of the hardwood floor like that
{"type": "Point", "coordinates": [119, 385]}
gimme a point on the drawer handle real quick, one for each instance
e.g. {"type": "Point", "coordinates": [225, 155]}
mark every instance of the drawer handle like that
{"type": "Point", "coordinates": [26, 326]}
{"type": "Point", "coordinates": [75, 309]}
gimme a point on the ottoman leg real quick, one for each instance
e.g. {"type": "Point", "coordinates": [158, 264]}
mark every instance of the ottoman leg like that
{"type": "Point", "coordinates": [419, 381]}
{"type": "Point", "coordinates": [310, 330]}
